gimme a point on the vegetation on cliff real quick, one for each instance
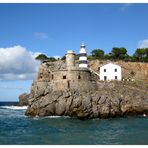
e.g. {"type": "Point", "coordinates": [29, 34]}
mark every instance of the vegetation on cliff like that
{"type": "Point", "coordinates": [43, 57]}
{"type": "Point", "coordinates": [117, 53]}
{"type": "Point", "coordinates": [140, 55]}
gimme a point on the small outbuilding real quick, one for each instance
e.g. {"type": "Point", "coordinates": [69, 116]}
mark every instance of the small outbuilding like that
{"type": "Point", "coordinates": [110, 71]}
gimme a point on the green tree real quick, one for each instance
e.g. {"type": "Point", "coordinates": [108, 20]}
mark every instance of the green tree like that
{"type": "Point", "coordinates": [139, 54]}
{"type": "Point", "coordinates": [98, 54]}
{"type": "Point", "coordinates": [63, 58]}
{"type": "Point", "coordinates": [89, 57]}
{"type": "Point", "coordinates": [41, 57]}
{"type": "Point", "coordinates": [146, 55]}
{"type": "Point", "coordinates": [127, 58]}
{"type": "Point", "coordinates": [107, 56]}
{"type": "Point", "coordinates": [51, 59]}
{"type": "Point", "coordinates": [146, 52]}
{"type": "Point", "coordinates": [115, 53]}
{"type": "Point", "coordinates": [119, 53]}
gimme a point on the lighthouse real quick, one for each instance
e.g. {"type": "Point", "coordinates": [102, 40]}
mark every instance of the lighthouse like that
{"type": "Point", "coordinates": [83, 57]}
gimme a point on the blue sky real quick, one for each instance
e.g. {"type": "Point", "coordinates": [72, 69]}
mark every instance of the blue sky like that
{"type": "Point", "coordinates": [29, 29]}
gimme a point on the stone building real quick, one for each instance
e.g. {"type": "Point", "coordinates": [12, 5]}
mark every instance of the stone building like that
{"type": "Point", "coordinates": [72, 76]}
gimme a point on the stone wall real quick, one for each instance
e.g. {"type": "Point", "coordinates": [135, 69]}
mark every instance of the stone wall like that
{"type": "Point", "coordinates": [81, 79]}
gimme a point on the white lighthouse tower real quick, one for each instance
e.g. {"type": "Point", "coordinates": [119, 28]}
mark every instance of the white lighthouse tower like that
{"type": "Point", "coordinates": [83, 57]}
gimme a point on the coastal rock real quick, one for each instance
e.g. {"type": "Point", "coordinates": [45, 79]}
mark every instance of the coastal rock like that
{"type": "Point", "coordinates": [88, 106]}
{"type": "Point", "coordinates": [23, 99]}
{"type": "Point", "coordinates": [60, 93]}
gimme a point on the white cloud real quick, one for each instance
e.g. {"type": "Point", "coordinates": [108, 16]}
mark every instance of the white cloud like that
{"type": "Point", "coordinates": [143, 43]}
{"type": "Point", "coordinates": [16, 63]}
{"type": "Point", "coordinates": [40, 35]}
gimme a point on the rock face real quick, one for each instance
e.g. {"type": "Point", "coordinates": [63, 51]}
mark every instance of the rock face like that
{"type": "Point", "coordinates": [134, 70]}
{"type": "Point", "coordinates": [80, 94]}
{"type": "Point", "coordinates": [23, 99]}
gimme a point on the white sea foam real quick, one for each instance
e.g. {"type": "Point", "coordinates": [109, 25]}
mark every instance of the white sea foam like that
{"type": "Point", "coordinates": [15, 107]}
{"type": "Point", "coordinates": [54, 116]}
{"type": "Point", "coordinates": [40, 118]}
{"type": "Point", "coordinates": [57, 117]}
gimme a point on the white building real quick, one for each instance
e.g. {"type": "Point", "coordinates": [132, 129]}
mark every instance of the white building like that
{"type": "Point", "coordinates": [83, 57]}
{"type": "Point", "coordinates": [110, 72]}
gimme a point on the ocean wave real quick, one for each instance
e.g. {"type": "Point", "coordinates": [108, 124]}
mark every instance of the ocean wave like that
{"type": "Point", "coordinates": [38, 118]}
{"type": "Point", "coordinates": [15, 107]}
{"type": "Point", "coordinates": [55, 116]}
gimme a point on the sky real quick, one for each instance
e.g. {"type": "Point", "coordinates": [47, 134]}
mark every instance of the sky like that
{"type": "Point", "coordinates": [27, 30]}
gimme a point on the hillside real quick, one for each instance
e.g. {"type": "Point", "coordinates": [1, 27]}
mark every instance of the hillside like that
{"type": "Point", "coordinates": [134, 70]}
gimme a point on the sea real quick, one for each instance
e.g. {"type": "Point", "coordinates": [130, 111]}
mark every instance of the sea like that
{"type": "Point", "coordinates": [18, 129]}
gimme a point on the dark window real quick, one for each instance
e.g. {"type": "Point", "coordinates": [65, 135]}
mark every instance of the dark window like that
{"type": "Point", "coordinates": [104, 70]}
{"type": "Point", "coordinates": [79, 77]}
{"type": "Point", "coordinates": [68, 84]}
{"type": "Point", "coordinates": [116, 77]}
{"type": "Point", "coordinates": [64, 77]}
{"type": "Point", "coordinates": [116, 70]}
{"type": "Point", "coordinates": [52, 76]}
{"type": "Point", "coordinates": [105, 78]}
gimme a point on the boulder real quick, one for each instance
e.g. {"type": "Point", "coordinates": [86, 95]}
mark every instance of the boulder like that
{"type": "Point", "coordinates": [23, 99]}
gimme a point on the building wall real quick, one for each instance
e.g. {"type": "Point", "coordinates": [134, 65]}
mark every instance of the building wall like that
{"type": "Point", "coordinates": [70, 60]}
{"type": "Point", "coordinates": [110, 72]}
{"type": "Point", "coordinates": [73, 79]}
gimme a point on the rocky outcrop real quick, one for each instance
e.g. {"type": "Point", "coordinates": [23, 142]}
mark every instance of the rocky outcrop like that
{"type": "Point", "coordinates": [110, 102]}
{"type": "Point", "coordinates": [110, 99]}
{"type": "Point", "coordinates": [23, 99]}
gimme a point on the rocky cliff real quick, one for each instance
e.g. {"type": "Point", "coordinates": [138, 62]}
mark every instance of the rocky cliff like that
{"type": "Point", "coordinates": [132, 70]}
{"type": "Point", "coordinates": [104, 99]}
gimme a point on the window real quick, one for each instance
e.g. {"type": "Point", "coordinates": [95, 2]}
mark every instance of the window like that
{"type": "Point", "coordinates": [68, 84]}
{"type": "Point", "coordinates": [104, 70]}
{"type": "Point", "coordinates": [115, 69]}
{"type": "Point", "coordinates": [79, 77]}
{"type": "Point", "coordinates": [116, 77]}
{"type": "Point", "coordinates": [105, 78]}
{"type": "Point", "coordinates": [52, 77]}
{"type": "Point", "coordinates": [64, 77]}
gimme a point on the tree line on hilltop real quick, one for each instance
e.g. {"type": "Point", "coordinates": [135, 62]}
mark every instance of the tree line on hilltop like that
{"type": "Point", "coordinates": [140, 55]}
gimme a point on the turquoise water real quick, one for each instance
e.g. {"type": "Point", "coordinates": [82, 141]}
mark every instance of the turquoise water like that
{"type": "Point", "coordinates": [15, 128]}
